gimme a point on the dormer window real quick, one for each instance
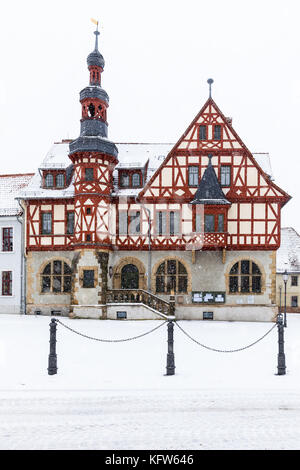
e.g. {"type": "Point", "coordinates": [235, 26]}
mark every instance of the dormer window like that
{"type": "Point", "coordinates": [130, 178]}
{"type": "Point", "coordinates": [125, 180]}
{"type": "Point", "coordinates": [136, 180]}
{"type": "Point", "coordinates": [60, 180]}
{"type": "Point", "coordinates": [49, 180]}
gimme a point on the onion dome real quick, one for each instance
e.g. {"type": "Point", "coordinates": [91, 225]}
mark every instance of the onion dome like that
{"type": "Point", "coordinates": [95, 58]}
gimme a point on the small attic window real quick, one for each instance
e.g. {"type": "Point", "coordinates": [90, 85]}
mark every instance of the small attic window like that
{"type": "Point", "coordinates": [136, 180]}
{"type": "Point", "coordinates": [49, 180]}
{"type": "Point", "coordinates": [60, 180]}
{"type": "Point", "coordinates": [124, 180]}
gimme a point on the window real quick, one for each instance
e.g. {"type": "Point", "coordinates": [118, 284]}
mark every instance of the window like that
{"type": "Point", "coordinates": [168, 223]}
{"type": "Point", "coordinates": [294, 280]}
{"type": "Point", "coordinates": [225, 173]}
{"type": "Point", "coordinates": [46, 223]}
{"type": "Point", "coordinates": [49, 180]}
{"type": "Point", "coordinates": [209, 223]}
{"type": "Point", "coordinates": [193, 172]}
{"type": "Point", "coordinates": [202, 132]}
{"type": "Point", "coordinates": [88, 211]}
{"type": "Point", "coordinates": [6, 282]}
{"type": "Point", "coordinates": [70, 223]}
{"type": "Point", "coordinates": [89, 174]}
{"type": "Point", "coordinates": [136, 180]}
{"type": "Point", "coordinates": [88, 280]}
{"type": "Point", "coordinates": [124, 180]}
{"type": "Point", "coordinates": [220, 223]}
{"type": "Point", "coordinates": [245, 278]}
{"type": "Point", "coordinates": [123, 222]}
{"type": "Point", "coordinates": [171, 275]}
{"type": "Point", "coordinates": [56, 278]}
{"type": "Point", "coordinates": [294, 302]}
{"type": "Point", "coordinates": [60, 180]}
{"type": "Point", "coordinates": [217, 132]}
{"type": "Point", "coordinates": [174, 222]}
{"type": "Point", "coordinates": [213, 223]}
{"type": "Point", "coordinates": [134, 222]}
{"type": "Point", "coordinates": [7, 239]}
{"type": "Point", "coordinates": [198, 227]}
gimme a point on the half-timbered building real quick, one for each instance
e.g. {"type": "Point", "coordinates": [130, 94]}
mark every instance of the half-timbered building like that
{"type": "Point", "coordinates": [114, 230]}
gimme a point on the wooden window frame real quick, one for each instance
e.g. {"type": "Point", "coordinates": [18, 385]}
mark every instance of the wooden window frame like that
{"type": "Point", "coordinates": [202, 126]}
{"type": "Point", "coordinates": [9, 238]}
{"type": "Point", "coordinates": [189, 173]}
{"type": "Point", "coordinates": [167, 275]}
{"type": "Point", "coordinates": [230, 176]}
{"type": "Point", "coordinates": [217, 126]}
{"type": "Point", "coordinates": [42, 227]}
{"type": "Point", "coordinates": [6, 282]}
{"type": "Point", "coordinates": [52, 275]}
{"type": "Point", "coordinates": [250, 275]}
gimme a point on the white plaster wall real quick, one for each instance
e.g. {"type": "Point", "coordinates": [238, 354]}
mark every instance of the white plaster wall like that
{"type": "Point", "coordinates": [11, 261]}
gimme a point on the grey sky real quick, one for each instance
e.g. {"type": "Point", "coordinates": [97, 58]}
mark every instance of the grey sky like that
{"type": "Point", "coordinates": [158, 57]}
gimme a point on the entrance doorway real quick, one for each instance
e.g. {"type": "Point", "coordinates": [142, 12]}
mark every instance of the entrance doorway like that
{"type": "Point", "coordinates": [129, 277]}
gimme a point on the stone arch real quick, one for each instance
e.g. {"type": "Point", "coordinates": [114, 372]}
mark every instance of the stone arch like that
{"type": "Point", "coordinates": [246, 258]}
{"type": "Point", "coordinates": [118, 269]}
{"type": "Point", "coordinates": [166, 258]}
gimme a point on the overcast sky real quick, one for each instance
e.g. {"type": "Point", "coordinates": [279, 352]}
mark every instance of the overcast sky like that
{"type": "Point", "coordinates": [159, 55]}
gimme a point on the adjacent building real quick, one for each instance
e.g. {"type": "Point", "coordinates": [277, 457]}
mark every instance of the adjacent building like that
{"type": "Point", "coordinates": [117, 230]}
{"type": "Point", "coordinates": [288, 259]}
{"type": "Point", "coordinates": [12, 267]}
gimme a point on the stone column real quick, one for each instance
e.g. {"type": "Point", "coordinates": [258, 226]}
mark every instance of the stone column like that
{"type": "Point", "coordinates": [103, 257]}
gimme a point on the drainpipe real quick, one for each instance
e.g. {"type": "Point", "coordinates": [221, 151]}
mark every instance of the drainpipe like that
{"type": "Point", "coordinates": [23, 262]}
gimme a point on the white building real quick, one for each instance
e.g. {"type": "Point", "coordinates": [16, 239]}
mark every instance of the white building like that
{"type": "Point", "coordinates": [12, 289]}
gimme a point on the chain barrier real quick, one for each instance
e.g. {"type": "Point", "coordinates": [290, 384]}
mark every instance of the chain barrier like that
{"type": "Point", "coordinates": [112, 340]}
{"type": "Point", "coordinates": [225, 350]}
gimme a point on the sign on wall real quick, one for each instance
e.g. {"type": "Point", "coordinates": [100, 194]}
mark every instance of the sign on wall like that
{"type": "Point", "coordinates": [208, 297]}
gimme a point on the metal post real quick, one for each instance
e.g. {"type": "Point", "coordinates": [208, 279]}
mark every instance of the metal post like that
{"type": "Point", "coordinates": [52, 360]}
{"type": "Point", "coordinates": [285, 303]}
{"type": "Point", "coordinates": [281, 356]}
{"type": "Point", "coordinates": [170, 355]}
{"type": "Point", "coordinates": [280, 299]}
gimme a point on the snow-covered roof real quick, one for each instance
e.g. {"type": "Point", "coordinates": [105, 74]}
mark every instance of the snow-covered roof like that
{"type": "Point", "coordinates": [57, 156]}
{"type": "Point", "coordinates": [131, 155]}
{"type": "Point", "coordinates": [10, 186]}
{"type": "Point", "coordinates": [288, 255]}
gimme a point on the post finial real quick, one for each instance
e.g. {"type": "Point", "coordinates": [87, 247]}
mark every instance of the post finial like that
{"type": "Point", "coordinates": [210, 82]}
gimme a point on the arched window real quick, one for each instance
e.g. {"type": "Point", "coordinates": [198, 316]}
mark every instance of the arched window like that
{"type": "Point", "coordinates": [49, 180]}
{"type": "Point", "coordinates": [171, 275]}
{"type": "Point", "coordinates": [245, 278]}
{"type": "Point", "coordinates": [60, 180]}
{"type": "Point", "coordinates": [136, 180]}
{"type": "Point", "coordinates": [91, 110]}
{"type": "Point", "coordinates": [56, 277]}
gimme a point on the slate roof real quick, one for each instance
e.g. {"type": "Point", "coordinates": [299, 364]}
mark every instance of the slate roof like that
{"type": "Point", "coordinates": [131, 155]}
{"type": "Point", "coordinates": [209, 190]}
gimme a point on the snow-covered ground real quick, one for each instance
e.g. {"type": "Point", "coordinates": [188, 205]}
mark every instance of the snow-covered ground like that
{"type": "Point", "coordinates": [116, 396]}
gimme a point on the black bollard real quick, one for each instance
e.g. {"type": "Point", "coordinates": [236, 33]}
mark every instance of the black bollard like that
{"type": "Point", "coordinates": [281, 356]}
{"type": "Point", "coordinates": [170, 355]}
{"type": "Point", "coordinates": [52, 360]}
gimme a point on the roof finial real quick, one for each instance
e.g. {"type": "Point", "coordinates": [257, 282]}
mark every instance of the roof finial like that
{"type": "Point", "coordinates": [209, 158]}
{"type": "Point", "coordinates": [210, 82]}
{"type": "Point", "coordinates": [96, 22]}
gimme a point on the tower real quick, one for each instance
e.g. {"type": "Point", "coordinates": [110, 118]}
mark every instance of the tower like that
{"type": "Point", "coordinates": [94, 158]}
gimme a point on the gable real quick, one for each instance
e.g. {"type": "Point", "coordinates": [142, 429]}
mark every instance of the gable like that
{"type": "Point", "coordinates": [200, 139]}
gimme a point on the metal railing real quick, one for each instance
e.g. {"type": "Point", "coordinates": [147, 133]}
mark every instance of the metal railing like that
{"type": "Point", "coordinates": [124, 296]}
